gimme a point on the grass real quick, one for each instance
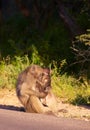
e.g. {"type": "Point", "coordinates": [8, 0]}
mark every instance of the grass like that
{"type": "Point", "coordinates": [9, 70]}
{"type": "Point", "coordinates": [71, 90]}
{"type": "Point", "coordinates": [64, 86]}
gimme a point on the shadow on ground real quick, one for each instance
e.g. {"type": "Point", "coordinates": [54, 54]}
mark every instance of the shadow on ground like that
{"type": "Point", "coordinates": [10, 107]}
{"type": "Point", "coordinates": [85, 106]}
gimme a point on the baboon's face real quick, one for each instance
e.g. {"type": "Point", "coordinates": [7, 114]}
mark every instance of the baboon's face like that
{"type": "Point", "coordinates": [43, 79]}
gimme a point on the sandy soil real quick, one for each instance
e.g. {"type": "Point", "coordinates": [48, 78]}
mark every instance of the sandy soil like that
{"type": "Point", "coordinates": [9, 100]}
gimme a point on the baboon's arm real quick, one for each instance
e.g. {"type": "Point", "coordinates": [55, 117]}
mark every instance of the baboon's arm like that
{"type": "Point", "coordinates": [29, 91]}
{"type": "Point", "coordinates": [38, 106]}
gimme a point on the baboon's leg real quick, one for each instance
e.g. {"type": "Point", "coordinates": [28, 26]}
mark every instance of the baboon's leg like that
{"type": "Point", "coordinates": [50, 101]}
{"type": "Point", "coordinates": [38, 107]}
{"type": "Point", "coordinates": [25, 100]}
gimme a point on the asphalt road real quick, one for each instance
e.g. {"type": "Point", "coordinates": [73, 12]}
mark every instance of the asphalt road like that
{"type": "Point", "coordinates": [15, 120]}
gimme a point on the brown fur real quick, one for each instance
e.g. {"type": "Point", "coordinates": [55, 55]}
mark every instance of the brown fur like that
{"type": "Point", "coordinates": [33, 89]}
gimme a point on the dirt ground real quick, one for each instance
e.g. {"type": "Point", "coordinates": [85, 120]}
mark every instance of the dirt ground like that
{"type": "Point", "coordinates": [9, 100]}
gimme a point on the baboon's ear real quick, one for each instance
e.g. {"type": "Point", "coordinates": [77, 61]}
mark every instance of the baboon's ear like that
{"type": "Point", "coordinates": [32, 69]}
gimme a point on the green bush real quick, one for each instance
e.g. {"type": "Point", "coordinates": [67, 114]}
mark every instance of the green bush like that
{"type": "Point", "coordinates": [9, 70]}
{"type": "Point", "coordinates": [71, 90]}
{"type": "Point", "coordinates": [81, 50]}
{"type": "Point", "coordinates": [19, 38]}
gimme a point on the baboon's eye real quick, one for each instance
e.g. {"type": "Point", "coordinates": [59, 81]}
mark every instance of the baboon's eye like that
{"type": "Point", "coordinates": [41, 76]}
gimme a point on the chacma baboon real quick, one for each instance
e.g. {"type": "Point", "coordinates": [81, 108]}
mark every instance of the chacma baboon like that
{"type": "Point", "coordinates": [33, 89]}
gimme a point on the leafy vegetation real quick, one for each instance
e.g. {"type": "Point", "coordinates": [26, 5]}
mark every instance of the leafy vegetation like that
{"type": "Point", "coordinates": [81, 50]}
{"type": "Point", "coordinates": [64, 86]}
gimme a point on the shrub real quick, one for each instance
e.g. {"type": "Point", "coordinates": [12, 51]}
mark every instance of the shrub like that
{"type": "Point", "coordinates": [81, 50]}
{"type": "Point", "coordinates": [9, 70]}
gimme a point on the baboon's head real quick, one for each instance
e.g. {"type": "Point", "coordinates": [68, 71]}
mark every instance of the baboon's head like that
{"type": "Point", "coordinates": [43, 78]}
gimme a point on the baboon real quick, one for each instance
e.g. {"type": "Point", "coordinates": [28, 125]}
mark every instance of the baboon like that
{"type": "Point", "coordinates": [33, 89]}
